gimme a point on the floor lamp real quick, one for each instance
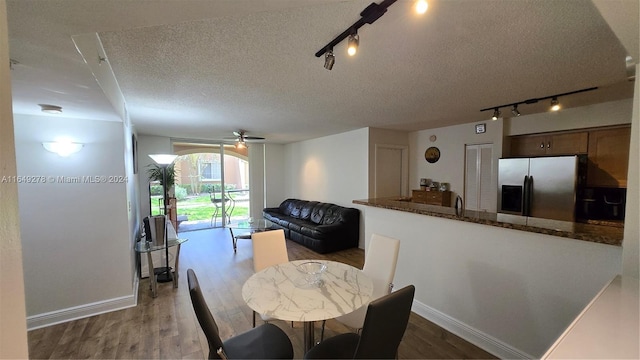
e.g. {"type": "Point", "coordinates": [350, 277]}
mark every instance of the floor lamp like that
{"type": "Point", "coordinates": [163, 161]}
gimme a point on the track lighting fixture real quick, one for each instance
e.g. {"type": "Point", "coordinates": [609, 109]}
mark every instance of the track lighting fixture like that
{"type": "Point", "coordinates": [555, 104]}
{"type": "Point", "coordinates": [368, 16]}
{"type": "Point", "coordinates": [352, 47]}
{"type": "Point", "coordinates": [514, 110]}
{"type": "Point", "coordinates": [496, 114]}
{"type": "Point", "coordinates": [329, 60]}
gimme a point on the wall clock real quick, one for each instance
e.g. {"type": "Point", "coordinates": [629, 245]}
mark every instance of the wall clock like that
{"type": "Point", "coordinates": [432, 155]}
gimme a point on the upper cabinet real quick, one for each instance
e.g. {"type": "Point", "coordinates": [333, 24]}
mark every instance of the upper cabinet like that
{"type": "Point", "coordinates": [607, 149]}
{"type": "Point", "coordinates": [550, 144]}
{"type": "Point", "coordinates": [608, 157]}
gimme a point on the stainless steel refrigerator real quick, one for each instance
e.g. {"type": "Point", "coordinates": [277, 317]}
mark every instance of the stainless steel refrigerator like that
{"type": "Point", "coordinates": [542, 187]}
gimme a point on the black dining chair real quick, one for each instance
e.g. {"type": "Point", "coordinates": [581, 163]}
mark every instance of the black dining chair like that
{"type": "Point", "coordinates": [383, 329]}
{"type": "Point", "coordinates": [266, 341]}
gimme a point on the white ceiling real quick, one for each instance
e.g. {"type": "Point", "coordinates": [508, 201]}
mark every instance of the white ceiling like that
{"type": "Point", "coordinates": [204, 68]}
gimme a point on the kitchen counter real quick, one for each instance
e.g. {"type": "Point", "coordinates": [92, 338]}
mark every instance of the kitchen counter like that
{"type": "Point", "coordinates": [610, 235]}
{"type": "Point", "coordinates": [606, 329]}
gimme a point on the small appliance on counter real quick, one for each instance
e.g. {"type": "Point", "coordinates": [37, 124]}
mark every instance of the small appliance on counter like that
{"type": "Point", "coordinates": [601, 204]}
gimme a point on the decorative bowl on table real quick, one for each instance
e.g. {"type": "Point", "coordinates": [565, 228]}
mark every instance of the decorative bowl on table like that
{"type": "Point", "coordinates": [312, 271]}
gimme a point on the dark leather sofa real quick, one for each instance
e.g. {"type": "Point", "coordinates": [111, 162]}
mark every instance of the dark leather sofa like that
{"type": "Point", "coordinates": [322, 227]}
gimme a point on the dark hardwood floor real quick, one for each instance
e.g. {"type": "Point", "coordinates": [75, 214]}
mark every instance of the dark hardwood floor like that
{"type": "Point", "coordinates": [166, 327]}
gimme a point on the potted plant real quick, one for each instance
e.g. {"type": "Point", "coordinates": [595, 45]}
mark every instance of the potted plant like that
{"type": "Point", "coordinates": [154, 172]}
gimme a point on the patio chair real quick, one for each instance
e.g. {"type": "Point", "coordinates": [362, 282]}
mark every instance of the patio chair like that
{"type": "Point", "coordinates": [216, 200]}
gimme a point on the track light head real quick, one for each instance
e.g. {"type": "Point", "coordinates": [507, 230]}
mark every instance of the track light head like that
{"type": "Point", "coordinates": [515, 111]}
{"type": "Point", "coordinates": [353, 42]}
{"type": "Point", "coordinates": [421, 6]}
{"type": "Point", "coordinates": [496, 114]}
{"type": "Point", "coordinates": [555, 104]}
{"type": "Point", "coordinates": [329, 60]}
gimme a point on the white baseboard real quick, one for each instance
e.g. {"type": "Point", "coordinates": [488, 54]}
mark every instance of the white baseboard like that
{"type": "Point", "coordinates": [83, 311]}
{"type": "Point", "coordinates": [470, 334]}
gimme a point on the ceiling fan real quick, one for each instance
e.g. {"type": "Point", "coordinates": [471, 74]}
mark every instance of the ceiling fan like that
{"type": "Point", "coordinates": [241, 138]}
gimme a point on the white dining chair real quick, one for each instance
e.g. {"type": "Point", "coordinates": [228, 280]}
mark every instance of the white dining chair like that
{"type": "Point", "coordinates": [380, 265]}
{"type": "Point", "coordinates": [269, 248]}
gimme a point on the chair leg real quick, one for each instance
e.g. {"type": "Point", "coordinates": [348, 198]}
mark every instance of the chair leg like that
{"type": "Point", "coordinates": [322, 331]}
{"type": "Point", "coordinates": [254, 319]}
{"type": "Point", "coordinates": [214, 217]}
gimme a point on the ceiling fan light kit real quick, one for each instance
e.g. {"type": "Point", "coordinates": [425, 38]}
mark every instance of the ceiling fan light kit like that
{"type": "Point", "coordinates": [241, 138]}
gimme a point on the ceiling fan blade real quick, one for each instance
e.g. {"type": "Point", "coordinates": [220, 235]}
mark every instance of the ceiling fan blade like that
{"type": "Point", "coordinates": [238, 133]}
{"type": "Point", "coordinates": [253, 138]}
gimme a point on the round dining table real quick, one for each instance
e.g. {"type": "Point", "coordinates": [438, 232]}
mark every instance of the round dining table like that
{"type": "Point", "coordinates": [285, 292]}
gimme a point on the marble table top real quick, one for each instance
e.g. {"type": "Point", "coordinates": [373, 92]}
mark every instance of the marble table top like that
{"type": "Point", "coordinates": [282, 292]}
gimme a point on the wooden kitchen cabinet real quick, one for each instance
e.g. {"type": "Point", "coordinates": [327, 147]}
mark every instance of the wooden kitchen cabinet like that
{"type": "Point", "coordinates": [608, 157]}
{"type": "Point", "coordinates": [440, 198]}
{"type": "Point", "coordinates": [570, 143]}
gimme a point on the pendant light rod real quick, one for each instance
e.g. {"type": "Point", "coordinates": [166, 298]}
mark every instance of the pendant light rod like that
{"type": "Point", "coordinates": [535, 100]}
{"type": "Point", "coordinates": [368, 16]}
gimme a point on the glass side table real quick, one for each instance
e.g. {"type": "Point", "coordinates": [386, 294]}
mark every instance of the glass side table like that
{"type": "Point", "coordinates": [147, 247]}
{"type": "Point", "coordinates": [248, 226]}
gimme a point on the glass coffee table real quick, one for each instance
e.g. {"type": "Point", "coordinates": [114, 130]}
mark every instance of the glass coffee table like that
{"type": "Point", "coordinates": [246, 228]}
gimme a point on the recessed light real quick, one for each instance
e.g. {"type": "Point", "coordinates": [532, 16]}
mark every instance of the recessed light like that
{"type": "Point", "coordinates": [51, 109]}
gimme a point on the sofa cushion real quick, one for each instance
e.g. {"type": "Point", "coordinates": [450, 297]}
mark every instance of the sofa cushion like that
{"type": "Point", "coordinates": [297, 208]}
{"type": "Point", "coordinates": [307, 209]}
{"type": "Point", "coordinates": [318, 212]}
{"type": "Point", "coordinates": [332, 215]}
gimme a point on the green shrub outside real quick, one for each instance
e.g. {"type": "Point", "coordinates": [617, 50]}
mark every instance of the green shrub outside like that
{"type": "Point", "coordinates": [180, 192]}
{"type": "Point", "coordinates": [156, 190]}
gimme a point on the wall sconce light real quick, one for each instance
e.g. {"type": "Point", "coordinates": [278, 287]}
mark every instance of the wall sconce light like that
{"type": "Point", "coordinates": [50, 109]}
{"type": "Point", "coordinates": [62, 148]}
{"type": "Point", "coordinates": [555, 104]}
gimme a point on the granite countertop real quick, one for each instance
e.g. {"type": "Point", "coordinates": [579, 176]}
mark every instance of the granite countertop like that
{"type": "Point", "coordinates": [611, 235]}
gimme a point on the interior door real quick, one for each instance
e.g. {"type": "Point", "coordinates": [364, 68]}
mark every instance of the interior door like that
{"type": "Point", "coordinates": [479, 191]}
{"type": "Point", "coordinates": [390, 171]}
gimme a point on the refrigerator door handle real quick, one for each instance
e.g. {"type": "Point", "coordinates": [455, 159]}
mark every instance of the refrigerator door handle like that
{"type": "Point", "coordinates": [525, 196]}
{"type": "Point", "coordinates": [529, 191]}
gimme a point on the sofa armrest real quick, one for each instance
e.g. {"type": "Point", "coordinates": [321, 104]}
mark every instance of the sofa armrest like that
{"type": "Point", "coordinates": [271, 210]}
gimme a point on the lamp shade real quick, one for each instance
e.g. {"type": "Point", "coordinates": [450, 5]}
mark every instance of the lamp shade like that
{"type": "Point", "coordinates": [163, 159]}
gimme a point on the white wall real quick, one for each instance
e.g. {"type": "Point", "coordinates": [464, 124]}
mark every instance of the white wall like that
{"type": "Point", "coordinates": [451, 141]}
{"type": "Point", "coordinates": [75, 236]}
{"type": "Point", "coordinates": [256, 180]}
{"type": "Point", "coordinates": [510, 292]}
{"type": "Point", "coordinates": [13, 327]}
{"type": "Point", "coordinates": [630, 245]}
{"type": "Point", "coordinates": [331, 169]}
{"type": "Point", "coordinates": [274, 178]}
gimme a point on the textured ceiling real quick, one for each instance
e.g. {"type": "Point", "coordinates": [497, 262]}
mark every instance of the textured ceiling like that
{"type": "Point", "coordinates": [202, 69]}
